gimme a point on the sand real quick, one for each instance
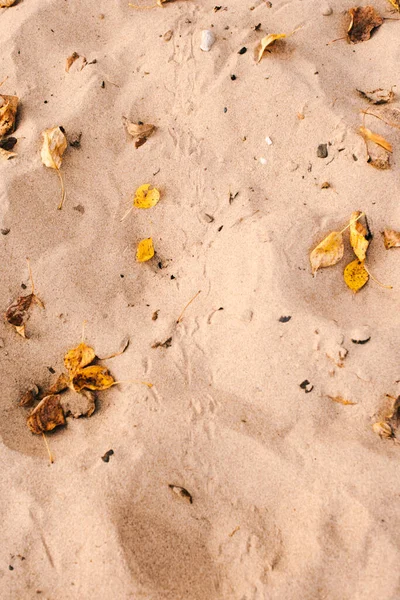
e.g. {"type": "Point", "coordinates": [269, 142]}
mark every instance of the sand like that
{"type": "Point", "coordinates": [294, 495]}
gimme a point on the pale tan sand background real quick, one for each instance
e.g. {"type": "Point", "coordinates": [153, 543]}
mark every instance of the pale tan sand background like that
{"type": "Point", "coordinates": [294, 496]}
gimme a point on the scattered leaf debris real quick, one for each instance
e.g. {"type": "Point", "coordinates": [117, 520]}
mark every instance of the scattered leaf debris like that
{"type": "Point", "coordinates": [166, 344]}
{"type": "Point", "coordinates": [181, 493]}
{"type": "Point", "coordinates": [47, 415]}
{"type": "Point", "coordinates": [29, 397]}
{"type": "Point", "coordinates": [363, 20]}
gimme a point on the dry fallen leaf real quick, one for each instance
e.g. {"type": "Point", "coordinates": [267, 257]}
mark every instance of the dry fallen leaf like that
{"type": "Point", "coordinates": [341, 400]}
{"type": "Point", "coordinates": [367, 134]}
{"type": "Point", "coordinates": [6, 154]}
{"type": "Point", "coordinates": [363, 20]}
{"type": "Point", "coordinates": [8, 113]}
{"type": "Point", "coordinates": [78, 357]}
{"type": "Point", "coordinates": [47, 415]}
{"type": "Point", "coordinates": [395, 3]}
{"type": "Point", "coordinates": [139, 131]}
{"type": "Point", "coordinates": [355, 275]}
{"type": "Point", "coordinates": [146, 197]}
{"type": "Point", "coordinates": [181, 493]}
{"type": "Point", "coordinates": [74, 57]}
{"type": "Point", "coordinates": [60, 385]}
{"type": "Point", "coordinates": [17, 313]}
{"type": "Point", "coordinates": [328, 252]}
{"type": "Point", "coordinates": [383, 429]}
{"type": "Point", "coordinates": [6, 3]}
{"type": "Point", "coordinates": [391, 238]}
{"type": "Point", "coordinates": [359, 237]}
{"type": "Point", "coordinates": [29, 397]}
{"type": "Point", "coordinates": [267, 41]}
{"type": "Point", "coordinates": [95, 377]}
{"type": "Point", "coordinates": [145, 250]}
{"type": "Point", "coordinates": [53, 147]}
{"type": "Point", "coordinates": [378, 96]}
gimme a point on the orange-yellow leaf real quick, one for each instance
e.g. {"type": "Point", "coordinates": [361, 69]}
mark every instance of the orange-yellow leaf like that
{"type": "Point", "coordinates": [267, 41]}
{"type": "Point", "coordinates": [355, 275]}
{"type": "Point", "coordinates": [367, 134]}
{"type": "Point", "coordinates": [145, 250]}
{"type": "Point", "coordinates": [358, 236]}
{"type": "Point", "coordinates": [95, 377]}
{"type": "Point", "coordinates": [328, 252]}
{"type": "Point", "coordinates": [146, 197]}
{"type": "Point", "coordinates": [47, 415]}
{"type": "Point", "coordinates": [79, 357]}
{"type": "Point", "coordinates": [53, 147]}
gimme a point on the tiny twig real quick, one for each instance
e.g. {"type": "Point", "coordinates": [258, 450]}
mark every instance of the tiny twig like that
{"type": "Point", "coordinates": [337, 40]}
{"type": "Point", "coordinates": [48, 449]}
{"type": "Point", "coordinates": [62, 190]}
{"type": "Point", "coordinates": [4, 80]}
{"type": "Point", "coordinates": [387, 287]}
{"type": "Point", "coordinates": [127, 213]}
{"type": "Point", "coordinates": [190, 302]}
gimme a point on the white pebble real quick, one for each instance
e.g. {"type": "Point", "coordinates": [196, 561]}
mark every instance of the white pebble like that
{"type": "Point", "coordinates": [326, 10]}
{"type": "Point", "coordinates": [207, 40]}
{"type": "Point", "coordinates": [269, 141]}
{"type": "Point", "coordinates": [360, 335]}
{"type": "Point", "coordinates": [263, 161]}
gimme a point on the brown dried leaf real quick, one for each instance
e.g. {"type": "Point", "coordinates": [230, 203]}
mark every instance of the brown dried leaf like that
{"type": "Point", "coordinates": [95, 377]}
{"type": "Point", "coordinates": [78, 357]}
{"type": "Point", "coordinates": [139, 132]}
{"type": "Point", "coordinates": [70, 61]}
{"type": "Point", "coordinates": [8, 113]}
{"type": "Point", "coordinates": [363, 20]}
{"type": "Point", "coordinates": [47, 415]}
{"type": "Point", "coordinates": [29, 397]}
{"type": "Point", "coordinates": [17, 313]}
{"type": "Point", "coordinates": [391, 238]}
{"type": "Point", "coordinates": [60, 385]}
{"type": "Point", "coordinates": [378, 96]}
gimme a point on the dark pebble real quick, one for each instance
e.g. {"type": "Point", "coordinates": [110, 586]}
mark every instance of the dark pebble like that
{"type": "Point", "coordinates": [8, 144]}
{"type": "Point", "coordinates": [284, 319]}
{"type": "Point", "coordinates": [107, 455]}
{"type": "Point", "coordinates": [5, 231]}
{"type": "Point", "coordinates": [322, 151]}
{"type": "Point", "coordinates": [242, 50]}
{"type": "Point", "coordinates": [233, 77]}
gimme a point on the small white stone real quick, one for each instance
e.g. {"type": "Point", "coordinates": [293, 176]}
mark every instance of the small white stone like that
{"type": "Point", "coordinates": [269, 141]}
{"type": "Point", "coordinates": [360, 335]}
{"type": "Point", "coordinates": [326, 10]}
{"type": "Point", "coordinates": [263, 161]}
{"type": "Point", "coordinates": [207, 40]}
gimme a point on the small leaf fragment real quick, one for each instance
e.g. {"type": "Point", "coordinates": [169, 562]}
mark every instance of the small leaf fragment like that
{"type": "Point", "coordinates": [47, 415]}
{"type": "Point", "coordinates": [8, 113]}
{"type": "Point", "coordinates": [146, 197]}
{"type": "Point", "coordinates": [145, 250]}
{"type": "Point", "coordinates": [53, 147]}
{"type": "Point", "coordinates": [6, 154]}
{"type": "Point", "coordinates": [95, 377]}
{"type": "Point", "coordinates": [139, 131]}
{"type": "Point", "coordinates": [6, 3]}
{"type": "Point", "coordinates": [267, 41]}
{"type": "Point", "coordinates": [367, 134]}
{"type": "Point", "coordinates": [181, 493]}
{"type": "Point", "coordinates": [341, 400]}
{"type": "Point", "coordinates": [391, 238]}
{"type": "Point", "coordinates": [74, 57]}
{"type": "Point", "coordinates": [17, 312]}
{"type": "Point", "coordinates": [29, 397]}
{"type": "Point", "coordinates": [383, 429]}
{"type": "Point", "coordinates": [359, 238]}
{"type": "Point", "coordinates": [378, 96]}
{"type": "Point", "coordinates": [363, 20]}
{"type": "Point", "coordinates": [78, 357]}
{"type": "Point", "coordinates": [60, 385]}
{"type": "Point", "coordinates": [328, 252]}
{"type": "Point", "coordinates": [355, 275]}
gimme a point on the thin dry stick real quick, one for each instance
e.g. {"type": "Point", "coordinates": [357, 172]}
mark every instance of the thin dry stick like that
{"type": "Point", "coordinates": [127, 213]}
{"type": "Point", "coordinates": [179, 319]}
{"type": "Point", "coordinates": [115, 353]}
{"type": "Point", "coordinates": [387, 287]}
{"type": "Point", "coordinates": [365, 112]}
{"type": "Point", "coordinates": [62, 190]}
{"type": "Point", "coordinates": [337, 40]}
{"type": "Point", "coordinates": [4, 80]}
{"type": "Point", "coordinates": [48, 449]}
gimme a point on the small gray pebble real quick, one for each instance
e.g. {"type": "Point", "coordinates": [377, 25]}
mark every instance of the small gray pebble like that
{"type": "Point", "coordinates": [326, 10]}
{"type": "Point", "coordinates": [322, 151]}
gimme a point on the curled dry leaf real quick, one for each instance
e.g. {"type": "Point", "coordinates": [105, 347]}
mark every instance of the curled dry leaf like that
{"type": "Point", "coordinates": [359, 236]}
{"type": "Point", "coordinates": [78, 357]}
{"type": "Point", "coordinates": [378, 96]}
{"type": "Point", "coordinates": [367, 134]}
{"type": "Point", "coordinates": [17, 313]}
{"type": "Point", "coordinates": [355, 275]}
{"type": "Point", "coordinates": [139, 131]}
{"type": "Point", "coordinates": [6, 154]}
{"type": "Point", "coordinates": [29, 397]}
{"type": "Point", "coordinates": [146, 197]}
{"type": "Point", "coordinates": [95, 377]}
{"type": "Point", "coordinates": [363, 20]}
{"type": "Point", "coordinates": [388, 114]}
{"type": "Point", "coordinates": [8, 113]}
{"type": "Point", "coordinates": [47, 415]}
{"type": "Point", "coordinates": [181, 493]}
{"type": "Point", "coordinates": [60, 385]}
{"type": "Point", "coordinates": [145, 250]}
{"type": "Point", "coordinates": [7, 3]}
{"type": "Point", "coordinates": [267, 41]}
{"type": "Point", "coordinates": [341, 400]}
{"type": "Point", "coordinates": [53, 147]}
{"type": "Point", "coordinates": [328, 252]}
{"type": "Point", "coordinates": [383, 429]}
{"type": "Point", "coordinates": [391, 238]}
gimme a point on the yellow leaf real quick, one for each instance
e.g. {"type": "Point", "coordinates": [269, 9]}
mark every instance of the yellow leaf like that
{"type": "Point", "coordinates": [95, 377]}
{"type": "Point", "coordinates": [54, 146]}
{"type": "Point", "coordinates": [47, 415]}
{"type": "Point", "coordinates": [391, 238]}
{"type": "Point", "coordinates": [328, 252]}
{"type": "Point", "coordinates": [267, 41]}
{"type": "Point", "coordinates": [8, 113]}
{"type": "Point", "coordinates": [383, 429]}
{"type": "Point", "coordinates": [79, 357]}
{"type": "Point", "coordinates": [355, 275]}
{"type": "Point", "coordinates": [367, 134]}
{"type": "Point", "coordinates": [341, 400]}
{"type": "Point", "coordinates": [395, 3]}
{"type": "Point", "coordinates": [145, 250]}
{"type": "Point", "coordinates": [358, 236]}
{"type": "Point", "coordinates": [146, 198]}
{"type": "Point", "coordinates": [6, 3]}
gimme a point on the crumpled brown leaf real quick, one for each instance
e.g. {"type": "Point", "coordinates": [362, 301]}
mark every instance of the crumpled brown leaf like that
{"type": "Point", "coordinates": [328, 252]}
{"type": "Point", "coordinates": [391, 238]}
{"type": "Point", "coordinates": [363, 19]}
{"type": "Point", "coordinates": [359, 236]}
{"type": "Point", "coordinates": [53, 147]}
{"type": "Point", "coordinates": [47, 415]}
{"type": "Point", "coordinates": [29, 397]}
{"type": "Point", "coordinates": [139, 131]}
{"type": "Point", "coordinates": [95, 377]}
{"type": "Point", "coordinates": [60, 385]}
{"type": "Point", "coordinates": [378, 96]}
{"type": "Point", "coordinates": [8, 113]}
{"type": "Point", "coordinates": [17, 313]}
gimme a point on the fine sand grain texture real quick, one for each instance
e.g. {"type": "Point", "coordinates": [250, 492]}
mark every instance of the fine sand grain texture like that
{"type": "Point", "coordinates": [294, 496]}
